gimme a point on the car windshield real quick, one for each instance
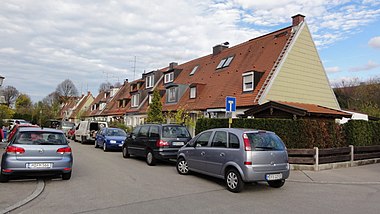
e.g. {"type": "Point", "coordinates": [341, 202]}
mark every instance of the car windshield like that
{"type": "Point", "coordinates": [116, 132]}
{"type": "Point", "coordinates": [40, 138]}
{"type": "Point", "coordinates": [265, 141]}
{"type": "Point", "coordinates": [68, 124]}
{"type": "Point", "coordinates": [175, 132]}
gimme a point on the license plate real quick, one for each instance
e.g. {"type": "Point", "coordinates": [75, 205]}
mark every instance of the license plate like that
{"type": "Point", "coordinates": [39, 165]}
{"type": "Point", "coordinates": [178, 143]}
{"type": "Point", "coordinates": [271, 177]}
{"type": "Point", "coordinates": [120, 145]}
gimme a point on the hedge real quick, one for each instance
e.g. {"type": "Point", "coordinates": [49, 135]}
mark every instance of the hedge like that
{"type": "Point", "coordinates": [306, 133]}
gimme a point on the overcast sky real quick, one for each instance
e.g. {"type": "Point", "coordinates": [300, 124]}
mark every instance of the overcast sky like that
{"type": "Point", "coordinates": [90, 42]}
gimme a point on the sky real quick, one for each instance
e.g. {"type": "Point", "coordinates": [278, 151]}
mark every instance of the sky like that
{"type": "Point", "coordinates": [90, 42]}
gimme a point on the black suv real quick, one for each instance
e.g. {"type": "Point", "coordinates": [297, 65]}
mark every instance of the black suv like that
{"type": "Point", "coordinates": [156, 141]}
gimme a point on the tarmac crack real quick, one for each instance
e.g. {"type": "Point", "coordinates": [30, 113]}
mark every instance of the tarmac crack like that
{"type": "Point", "coordinates": [307, 175]}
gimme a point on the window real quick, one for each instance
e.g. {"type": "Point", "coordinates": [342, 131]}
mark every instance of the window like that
{"type": "Point", "coordinates": [220, 140]}
{"type": "Point", "coordinates": [172, 95]}
{"type": "Point", "coordinates": [248, 81]}
{"type": "Point", "coordinates": [193, 92]}
{"type": "Point", "coordinates": [233, 141]}
{"type": "Point", "coordinates": [225, 62]}
{"type": "Point", "coordinates": [154, 132]}
{"type": "Point", "coordinates": [102, 106]}
{"type": "Point", "coordinates": [169, 77]}
{"type": "Point", "coordinates": [150, 98]}
{"type": "Point", "coordinates": [135, 100]}
{"type": "Point", "coordinates": [203, 139]}
{"type": "Point", "coordinates": [149, 81]}
{"type": "Point", "coordinates": [194, 70]}
{"type": "Point", "coordinates": [143, 131]}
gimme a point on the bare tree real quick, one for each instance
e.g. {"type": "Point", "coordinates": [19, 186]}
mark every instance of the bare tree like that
{"type": "Point", "coordinates": [10, 94]}
{"type": "Point", "coordinates": [105, 86]}
{"type": "Point", "coordinates": [66, 89]}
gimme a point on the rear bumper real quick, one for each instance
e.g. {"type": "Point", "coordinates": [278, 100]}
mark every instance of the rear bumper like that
{"type": "Point", "coordinates": [251, 175]}
{"type": "Point", "coordinates": [166, 153]}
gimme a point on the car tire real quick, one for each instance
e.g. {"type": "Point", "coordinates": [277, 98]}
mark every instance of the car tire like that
{"type": "Point", "coordinates": [96, 144]}
{"type": "Point", "coordinates": [150, 159]}
{"type": "Point", "coordinates": [182, 167]}
{"type": "Point", "coordinates": [3, 178]}
{"type": "Point", "coordinates": [66, 176]}
{"type": "Point", "coordinates": [277, 183]}
{"type": "Point", "coordinates": [233, 180]}
{"type": "Point", "coordinates": [105, 147]}
{"type": "Point", "coordinates": [125, 152]}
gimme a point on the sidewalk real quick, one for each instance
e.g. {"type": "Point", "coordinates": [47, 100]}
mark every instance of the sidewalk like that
{"type": "Point", "coordinates": [15, 191]}
{"type": "Point", "coordinates": [367, 174]}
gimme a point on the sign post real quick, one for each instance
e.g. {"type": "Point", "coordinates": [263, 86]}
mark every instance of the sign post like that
{"type": "Point", "coordinates": [230, 107]}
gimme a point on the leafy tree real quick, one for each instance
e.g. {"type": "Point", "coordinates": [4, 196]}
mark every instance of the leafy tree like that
{"type": "Point", "coordinates": [6, 112]}
{"type": "Point", "coordinates": [155, 109]}
{"type": "Point", "coordinates": [24, 107]}
{"type": "Point", "coordinates": [10, 94]}
{"type": "Point", "coordinates": [66, 89]}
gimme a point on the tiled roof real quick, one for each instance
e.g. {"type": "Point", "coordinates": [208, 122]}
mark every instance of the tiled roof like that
{"type": "Point", "coordinates": [259, 54]}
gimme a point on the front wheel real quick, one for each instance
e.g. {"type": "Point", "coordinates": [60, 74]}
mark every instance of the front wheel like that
{"type": "Point", "coordinates": [96, 144]}
{"type": "Point", "coordinates": [150, 159]}
{"type": "Point", "coordinates": [276, 183]}
{"type": "Point", "coordinates": [233, 181]}
{"type": "Point", "coordinates": [105, 147]}
{"type": "Point", "coordinates": [182, 167]}
{"type": "Point", "coordinates": [125, 152]}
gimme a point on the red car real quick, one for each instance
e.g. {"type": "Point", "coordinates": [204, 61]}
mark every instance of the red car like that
{"type": "Point", "coordinates": [16, 127]}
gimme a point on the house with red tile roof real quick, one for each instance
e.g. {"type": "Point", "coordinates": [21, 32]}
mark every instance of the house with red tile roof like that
{"type": "Point", "coordinates": [282, 67]}
{"type": "Point", "coordinates": [98, 106]}
{"type": "Point", "coordinates": [73, 109]}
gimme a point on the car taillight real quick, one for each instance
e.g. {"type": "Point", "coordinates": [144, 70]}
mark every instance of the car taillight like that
{"type": "Point", "coordinates": [247, 144]}
{"type": "Point", "coordinates": [161, 143]}
{"type": "Point", "coordinates": [64, 150]}
{"type": "Point", "coordinates": [15, 150]}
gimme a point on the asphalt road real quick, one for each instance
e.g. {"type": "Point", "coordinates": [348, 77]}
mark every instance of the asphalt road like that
{"type": "Point", "coordinates": [104, 182]}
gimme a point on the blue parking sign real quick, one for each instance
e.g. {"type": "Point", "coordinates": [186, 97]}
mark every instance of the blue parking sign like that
{"type": "Point", "coordinates": [230, 104]}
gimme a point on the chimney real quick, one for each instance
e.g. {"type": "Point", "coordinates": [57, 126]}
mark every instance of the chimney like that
{"type": "Point", "coordinates": [297, 19]}
{"type": "Point", "coordinates": [172, 65]}
{"type": "Point", "coordinates": [218, 48]}
{"type": "Point", "coordinates": [88, 93]}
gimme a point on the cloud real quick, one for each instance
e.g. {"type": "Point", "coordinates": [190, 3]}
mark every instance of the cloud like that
{"type": "Point", "coordinates": [335, 69]}
{"type": "Point", "coordinates": [374, 42]}
{"type": "Point", "coordinates": [369, 66]}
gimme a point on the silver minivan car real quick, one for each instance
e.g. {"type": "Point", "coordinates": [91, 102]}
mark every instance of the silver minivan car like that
{"type": "Point", "coordinates": [236, 155]}
{"type": "Point", "coordinates": [37, 151]}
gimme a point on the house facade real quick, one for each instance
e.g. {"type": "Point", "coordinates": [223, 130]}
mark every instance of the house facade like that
{"type": "Point", "coordinates": [74, 109]}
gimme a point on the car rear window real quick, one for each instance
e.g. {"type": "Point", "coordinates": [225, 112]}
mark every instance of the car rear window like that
{"type": "Point", "coordinates": [265, 141]}
{"type": "Point", "coordinates": [175, 132]}
{"type": "Point", "coordinates": [68, 124]}
{"type": "Point", "coordinates": [40, 138]}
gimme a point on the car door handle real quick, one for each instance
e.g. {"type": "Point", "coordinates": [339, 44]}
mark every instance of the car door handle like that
{"type": "Point", "coordinates": [222, 154]}
{"type": "Point", "coordinates": [203, 153]}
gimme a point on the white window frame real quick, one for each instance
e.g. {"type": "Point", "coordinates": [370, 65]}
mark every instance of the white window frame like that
{"type": "Point", "coordinates": [149, 81]}
{"type": "Point", "coordinates": [169, 77]}
{"type": "Point", "coordinates": [172, 95]}
{"type": "Point", "coordinates": [135, 100]}
{"type": "Point", "coordinates": [245, 88]}
{"type": "Point", "coordinates": [194, 70]}
{"type": "Point", "coordinates": [150, 98]}
{"type": "Point", "coordinates": [193, 92]}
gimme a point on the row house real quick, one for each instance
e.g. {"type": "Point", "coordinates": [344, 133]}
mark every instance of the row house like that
{"type": "Point", "coordinates": [98, 106]}
{"type": "Point", "coordinates": [74, 108]}
{"type": "Point", "coordinates": [281, 68]}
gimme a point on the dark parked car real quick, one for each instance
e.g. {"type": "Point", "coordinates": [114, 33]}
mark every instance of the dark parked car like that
{"type": "Point", "coordinates": [110, 138]}
{"type": "Point", "coordinates": [37, 151]}
{"type": "Point", "coordinates": [156, 141]}
{"type": "Point", "coordinates": [237, 156]}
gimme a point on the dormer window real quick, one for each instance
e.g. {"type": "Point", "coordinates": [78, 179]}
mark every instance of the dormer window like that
{"type": "Point", "coordinates": [194, 70]}
{"type": "Point", "coordinates": [169, 77]}
{"type": "Point", "coordinates": [149, 81]}
{"type": "Point", "coordinates": [248, 81]}
{"type": "Point", "coordinates": [135, 100]}
{"type": "Point", "coordinates": [172, 95]}
{"type": "Point", "coordinates": [193, 92]}
{"type": "Point", "coordinates": [150, 98]}
{"type": "Point", "coordinates": [225, 62]}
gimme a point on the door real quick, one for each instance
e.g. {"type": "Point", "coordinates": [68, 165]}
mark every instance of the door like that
{"type": "Point", "coordinates": [131, 141]}
{"type": "Point", "coordinates": [196, 157]}
{"type": "Point", "coordinates": [216, 154]}
{"type": "Point", "coordinates": [142, 141]}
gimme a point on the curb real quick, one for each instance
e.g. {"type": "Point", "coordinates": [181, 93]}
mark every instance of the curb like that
{"type": "Point", "coordinates": [336, 182]}
{"type": "Point", "coordinates": [39, 189]}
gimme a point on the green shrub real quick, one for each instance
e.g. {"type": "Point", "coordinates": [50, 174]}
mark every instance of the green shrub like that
{"type": "Point", "coordinates": [362, 133]}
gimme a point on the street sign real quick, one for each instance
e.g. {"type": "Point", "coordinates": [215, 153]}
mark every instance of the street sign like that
{"type": "Point", "coordinates": [230, 104]}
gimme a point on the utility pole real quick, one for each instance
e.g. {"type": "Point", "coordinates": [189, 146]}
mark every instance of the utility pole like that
{"type": "Point", "coordinates": [134, 69]}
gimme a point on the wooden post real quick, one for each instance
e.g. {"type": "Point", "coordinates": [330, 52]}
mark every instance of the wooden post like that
{"type": "Point", "coordinates": [316, 158]}
{"type": "Point", "coordinates": [352, 155]}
